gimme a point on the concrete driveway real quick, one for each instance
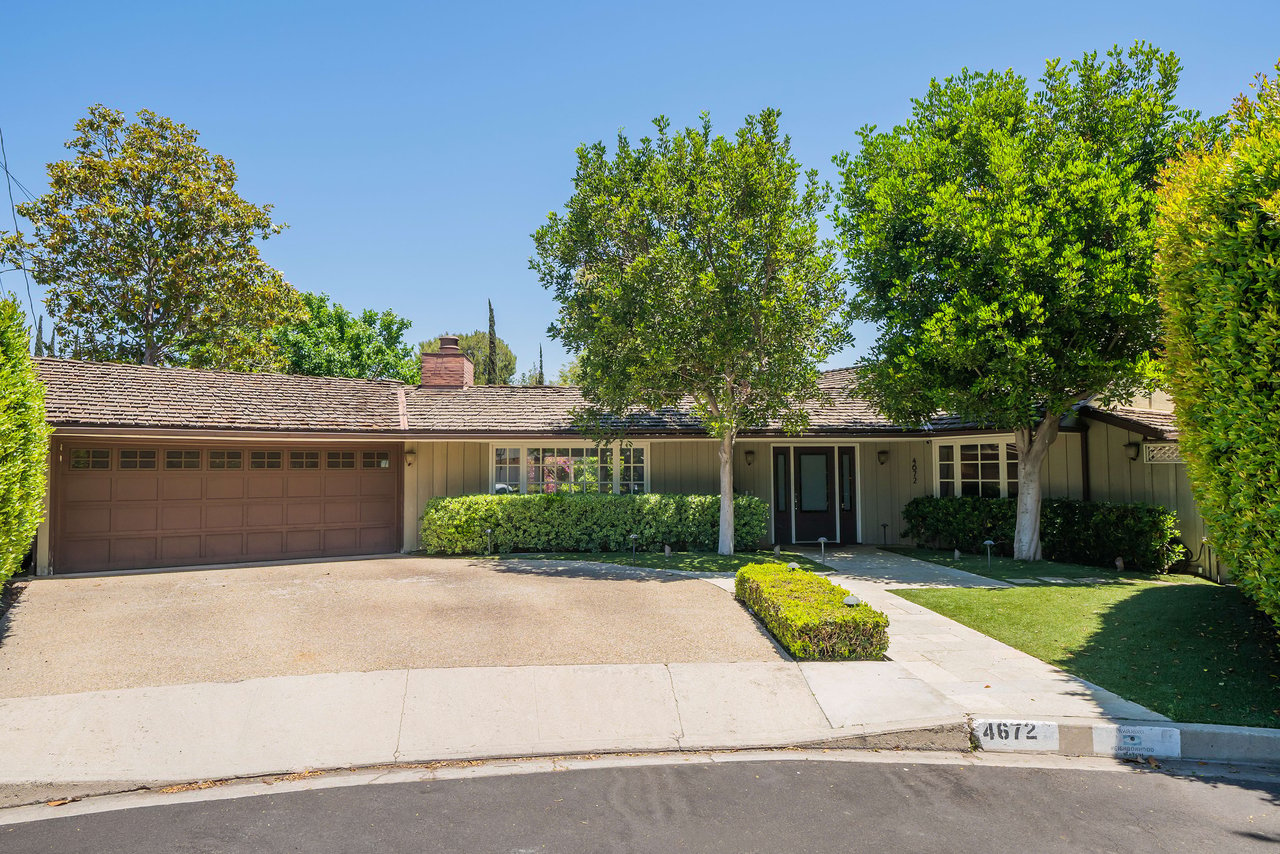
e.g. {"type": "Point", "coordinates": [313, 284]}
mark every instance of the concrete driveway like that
{"type": "Point", "coordinates": [67, 635]}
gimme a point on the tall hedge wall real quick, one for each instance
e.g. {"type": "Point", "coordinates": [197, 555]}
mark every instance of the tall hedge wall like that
{"type": "Point", "coordinates": [1087, 532]}
{"type": "Point", "coordinates": [586, 523]}
{"type": "Point", "coordinates": [1218, 268]}
{"type": "Point", "coordinates": [24, 441]}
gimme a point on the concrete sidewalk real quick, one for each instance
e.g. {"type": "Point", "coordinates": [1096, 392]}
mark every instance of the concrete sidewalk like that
{"type": "Point", "coordinates": [940, 675]}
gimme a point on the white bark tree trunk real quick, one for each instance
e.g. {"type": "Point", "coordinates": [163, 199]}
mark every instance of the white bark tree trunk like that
{"type": "Point", "coordinates": [1033, 445]}
{"type": "Point", "coordinates": [726, 494]}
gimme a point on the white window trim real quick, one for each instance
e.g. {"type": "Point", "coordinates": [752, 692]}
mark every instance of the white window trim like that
{"type": "Point", "coordinates": [525, 445]}
{"type": "Point", "coordinates": [1001, 439]}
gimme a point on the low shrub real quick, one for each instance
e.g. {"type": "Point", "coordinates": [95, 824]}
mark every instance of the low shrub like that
{"type": "Point", "coordinates": [807, 614]}
{"type": "Point", "coordinates": [1085, 532]}
{"type": "Point", "coordinates": [586, 523]}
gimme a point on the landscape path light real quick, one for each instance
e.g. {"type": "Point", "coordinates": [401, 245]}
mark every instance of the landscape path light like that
{"type": "Point", "coordinates": [988, 544]}
{"type": "Point", "coordinates": [822, 543]}
{"type": "Point", "coordinates": [633, 539]}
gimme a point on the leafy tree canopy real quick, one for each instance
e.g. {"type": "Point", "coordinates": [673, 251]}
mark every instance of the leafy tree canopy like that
{"type": "Point", "coordinates": [1002, 241]}
{"type": "Point", "coordinates": [24, 441]}
{"type": "Point", "coordinates": [476, 346]}
{"type": "Point", "coordinates": [332, 342]}
{"type": "Point", "coordinates": [690, 265]}
{"type": "Point", "coordinates": [1217, 248]}
{"type": "Point", "coordinates": [147, 252]}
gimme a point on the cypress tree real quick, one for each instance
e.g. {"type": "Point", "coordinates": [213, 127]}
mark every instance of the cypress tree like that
{"type": "Point", "coordinates": [491, 361]}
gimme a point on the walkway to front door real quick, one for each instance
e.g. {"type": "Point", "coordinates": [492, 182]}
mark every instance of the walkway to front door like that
{"type": "Point", "coordinates": [815, 493]}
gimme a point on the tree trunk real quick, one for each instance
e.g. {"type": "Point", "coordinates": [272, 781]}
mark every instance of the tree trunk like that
{"type": "Point", "coordinates": [1032, 449]}
{"type": "Point", "coordinates": [726, 494]}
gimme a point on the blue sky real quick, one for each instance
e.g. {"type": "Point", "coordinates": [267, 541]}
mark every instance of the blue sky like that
{"type": "Point", "coordinates": [414, 147]}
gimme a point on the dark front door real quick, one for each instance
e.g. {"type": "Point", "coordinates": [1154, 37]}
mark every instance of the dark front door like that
{"type": "Point", "coordinates": [782, 495]}
{"type": "Point", "coordinates": [814, 495]}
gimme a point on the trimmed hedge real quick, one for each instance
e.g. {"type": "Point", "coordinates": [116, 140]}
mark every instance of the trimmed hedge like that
{"type": "Point", "coordinates": [1217, 245]}
{"type": "Point", "coordinates": [586, 523]}
{"type": "Point", "coordinates": [807, 614]}
{"type": "Point", "coordinates": [24, 442]}
{"type": "Point", "coordinates": [1085, 532]}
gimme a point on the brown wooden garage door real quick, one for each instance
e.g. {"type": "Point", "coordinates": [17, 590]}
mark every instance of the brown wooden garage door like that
{"type": "Point", "coordinates": [124, 506]}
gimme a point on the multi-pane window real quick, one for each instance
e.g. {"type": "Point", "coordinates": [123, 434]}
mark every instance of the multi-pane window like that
{"type": "Point", "coordinates": [570, 469]}
{"type": "Point", "coordinates": [223, 460]}
{"type": "Point", "coordinates": [132, 459]}
{"type": "Point", "coordinates": [582, 469]}
{"type": "Point", "coordinates": [341, 459]}
{"type": "Point", "coordinates": [182, 459]}
{"type": "Point", "coordinates": [375, 459]}
{"type": "Point", "coordinates": [90, 458]}
{"type": "Point", "coordinates": [506, 470]}
{"type": "Point", "coordinates": [631, 476]}
{"type": "Point", "coordinates": [304, 459]}
{"type": "Point", "coordinates": [980, 469]}
{"type": "Point", "coordinates": [264, 459]}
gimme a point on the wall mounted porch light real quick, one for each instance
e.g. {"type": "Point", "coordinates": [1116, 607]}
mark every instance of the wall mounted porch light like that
{"type": "Point", "coordinates": [749, 456]}
{"type": "Point", "coordinates": [1132, 449]}
{"type": "Point", "coordinates": [882, 457]}
{"type": "Point", "coordinates": [410, 457]}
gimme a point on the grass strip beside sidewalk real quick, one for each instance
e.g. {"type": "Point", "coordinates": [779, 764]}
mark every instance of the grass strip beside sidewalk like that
{"type": "Point", "coordinates": [1189, 649]}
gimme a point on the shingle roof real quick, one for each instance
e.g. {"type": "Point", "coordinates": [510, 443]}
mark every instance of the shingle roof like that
{"type": "Point", "coordinates": [102, 394]}
{"type": "Point", "coordinates": [99, 394]}
{"type": "Point", "coordinates": [1152, 423]}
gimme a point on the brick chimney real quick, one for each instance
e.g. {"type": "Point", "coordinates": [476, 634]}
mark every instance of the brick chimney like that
{"type": "Point", "coordinates": [449, 368]}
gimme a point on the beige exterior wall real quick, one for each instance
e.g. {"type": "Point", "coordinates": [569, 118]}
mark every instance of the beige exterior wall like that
{"type": "Point", "coordinates": [1116, 478]}
{"type": "Point", "coordinates": [684, 466]}
{"type": "Point", "coordinates": [886, 489]}
{"type": "Point", "coordinates": [440, 469]}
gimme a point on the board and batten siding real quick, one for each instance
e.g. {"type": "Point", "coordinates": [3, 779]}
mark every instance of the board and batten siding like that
{"type": "Point", "coordinates": [441, 469]}
{"type": "Point", "coordinates": [886, 489]}
{"type": "Point", "coordinates": [1115, 478]}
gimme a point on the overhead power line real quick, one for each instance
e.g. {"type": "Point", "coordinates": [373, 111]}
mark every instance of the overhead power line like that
{"type": "Point", "coordinates": [9, 181]}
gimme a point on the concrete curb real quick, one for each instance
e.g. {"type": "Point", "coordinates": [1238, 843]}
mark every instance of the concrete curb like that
{"type": "Point", "coordinates": [1132, 739]}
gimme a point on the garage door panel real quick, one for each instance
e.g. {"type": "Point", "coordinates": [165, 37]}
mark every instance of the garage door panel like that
{"type": "Point", "coordinates": [341, 539]}
{"type": "Point", "coordinates": [133, 551]}
{"type": "Point", "coordinates": [263, 515]}
{"type": "Point", "coordinates": [264, 486]}
{"type": "Point", "coordinates": [302, 542]}
{"type": "Point", "coordinates": [224, 516]}
{"type": "Point", "coordinates": [87, 487]}
{"type": "Point", "coordinates": [110, 517]}
{"type": "Point", "coordinates": [304, 487]}
{"type": "Point", "coordinates": [135, 488]}
{"type": "Point", "coordinates": [182, 488]}
{"type": "Point", "coordinates": [183, 549]}
{"type": "Point", "coordinates": [221, 487]}
{"type": "Point", "coordinates": [127, 517]}
{"type": "Point", "coordinates": [303, 514]}
{"type": "Point", "coordinates": [181, 517]}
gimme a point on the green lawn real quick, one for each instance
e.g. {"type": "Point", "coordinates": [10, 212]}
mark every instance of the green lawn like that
{"type": "Point", "coordinates": [686, 561]}
{"type": "Point", "coordinates": [1187, 648]}
{"type": "Point", "coordinates": [1004, 568]}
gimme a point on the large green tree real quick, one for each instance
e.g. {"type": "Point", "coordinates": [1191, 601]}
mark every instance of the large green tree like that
{"type": "Point", "coordinates": [1002, 241]}
{"type": "Point", "coordinates": [1218, 266]}
{"type": "Point", "coordinates": [690, 267]}
{"type": "Point", "coordinates": [476, 347]}
{"type": "Point", "coordinates": [24, 440]}
{"type": "Point", "coordinates": [332, 342]}
{"type": "Point", "coordinates": [147, 252]}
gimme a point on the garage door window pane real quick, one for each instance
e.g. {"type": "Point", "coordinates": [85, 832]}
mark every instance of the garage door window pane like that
{"type": "Point", "coordinates": [376, 460]}
{"type": "Point", "coordinates": [132, 460]}
{"type": "Point", "coordinates": [182, 459]}
{"type": "Point", "coordinates": [304, 459]}
{"type": "Point", "coordinates": [86, 458]}
{"type": "Point", "coordinates": [341, 460]}
{"type": "Point", "coordinates": [226, 460]}
{"type": "Point", "coordinates": [264, 459]}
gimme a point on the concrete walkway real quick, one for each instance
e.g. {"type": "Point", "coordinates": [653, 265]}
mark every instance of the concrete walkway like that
{"type": "Point", "coordinates": [939, 673]}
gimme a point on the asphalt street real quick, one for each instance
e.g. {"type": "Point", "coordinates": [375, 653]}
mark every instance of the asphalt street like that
{"type": "Point", "coordinates": [767, 806]}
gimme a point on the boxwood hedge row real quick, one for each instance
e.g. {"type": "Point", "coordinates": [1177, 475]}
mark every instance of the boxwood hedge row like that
{"type": "Point", "coordinates": [24, 441]}
{"type": "Point", "coordinates": [1085, 532]}
{"type": "Point", "coordinates": [586, 523]}
{"type": "Point", "coordinates": [807, 614]}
